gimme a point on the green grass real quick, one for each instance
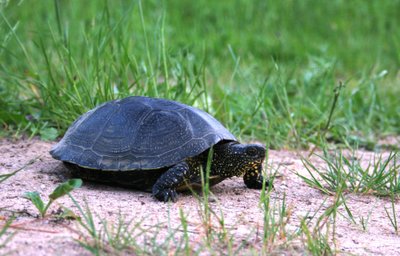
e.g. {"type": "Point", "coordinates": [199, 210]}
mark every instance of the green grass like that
{"type": "Point", "coordinates": [286, 57]}
{"type": "Point", "coordinates": [379, 177]}
{"type": "Point", "coordinates": [340, 175]}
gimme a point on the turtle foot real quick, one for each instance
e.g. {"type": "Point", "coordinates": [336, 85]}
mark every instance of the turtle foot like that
{"type": "Point", "coordinates": [256, 183]}
{"type": "Point", "coordinates": [165, 195]}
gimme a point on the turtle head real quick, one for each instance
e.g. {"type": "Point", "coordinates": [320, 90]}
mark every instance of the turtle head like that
{"type": "Point", "coordinates": [235, 159]}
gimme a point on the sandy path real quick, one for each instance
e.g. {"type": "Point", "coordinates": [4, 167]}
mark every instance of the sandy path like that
{"type": "Point", "coordinates": [240, 206]}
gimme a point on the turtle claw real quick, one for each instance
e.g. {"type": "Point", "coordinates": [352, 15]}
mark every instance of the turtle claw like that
{"type": "Point", "coordinates": [166, 195]}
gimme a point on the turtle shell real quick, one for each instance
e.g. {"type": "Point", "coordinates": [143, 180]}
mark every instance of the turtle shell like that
{"type": "Point", "coordinates": [139, 133]}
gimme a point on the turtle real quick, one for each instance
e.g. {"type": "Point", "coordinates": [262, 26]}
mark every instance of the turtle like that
{"type": "Point", "coordinates": [156, 145]}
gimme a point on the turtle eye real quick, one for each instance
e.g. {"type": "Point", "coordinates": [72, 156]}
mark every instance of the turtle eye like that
{"type": "Point", "coordinates": [251, 151]}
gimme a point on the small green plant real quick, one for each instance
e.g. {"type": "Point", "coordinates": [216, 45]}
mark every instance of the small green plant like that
{"type": "Point", "coordinates": [392, 216]}
{"type": "Point", "coordinates": [322, 133]}
{"type": "Point", "coordinates": [365, 220]}
{"type": "Point", "coordinates": [320, 238]}
{"type": "Point", "coordinates": [316, 242]}
{"type": "Point", "coordinates": [274, 228]}
{"type": "Point", "coordinates": [87, 222]}
{"type": "Point", "coordinates": [62, 190]}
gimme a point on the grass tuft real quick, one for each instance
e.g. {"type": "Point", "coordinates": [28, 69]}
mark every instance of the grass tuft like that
{"type": "Point", "coordinates": [379, 177]}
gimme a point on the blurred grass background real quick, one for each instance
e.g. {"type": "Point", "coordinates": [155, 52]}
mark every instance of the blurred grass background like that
{"type": "Point", "coordinates": [266, 69]}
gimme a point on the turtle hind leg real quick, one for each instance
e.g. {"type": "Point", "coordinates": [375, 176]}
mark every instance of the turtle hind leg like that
{"type": "Point", "coordinates": [165, 187]}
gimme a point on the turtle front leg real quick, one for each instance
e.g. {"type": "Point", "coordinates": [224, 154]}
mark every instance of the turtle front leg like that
{"type": "Point", "coordinates": [165, 187]}
{"type": "Point", "coordinates": [253, 179]}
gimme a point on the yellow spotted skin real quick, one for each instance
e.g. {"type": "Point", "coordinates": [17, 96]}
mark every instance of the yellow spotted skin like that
{"type": "Point", "coordinates": [229, 159]}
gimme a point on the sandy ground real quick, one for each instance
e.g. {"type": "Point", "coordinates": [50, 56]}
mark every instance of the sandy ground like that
{"type": "Point", "coordinates": [243, 215]}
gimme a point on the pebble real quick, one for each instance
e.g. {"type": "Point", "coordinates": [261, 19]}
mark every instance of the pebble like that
{"type": "Point", "coordinates": [212, 199]}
